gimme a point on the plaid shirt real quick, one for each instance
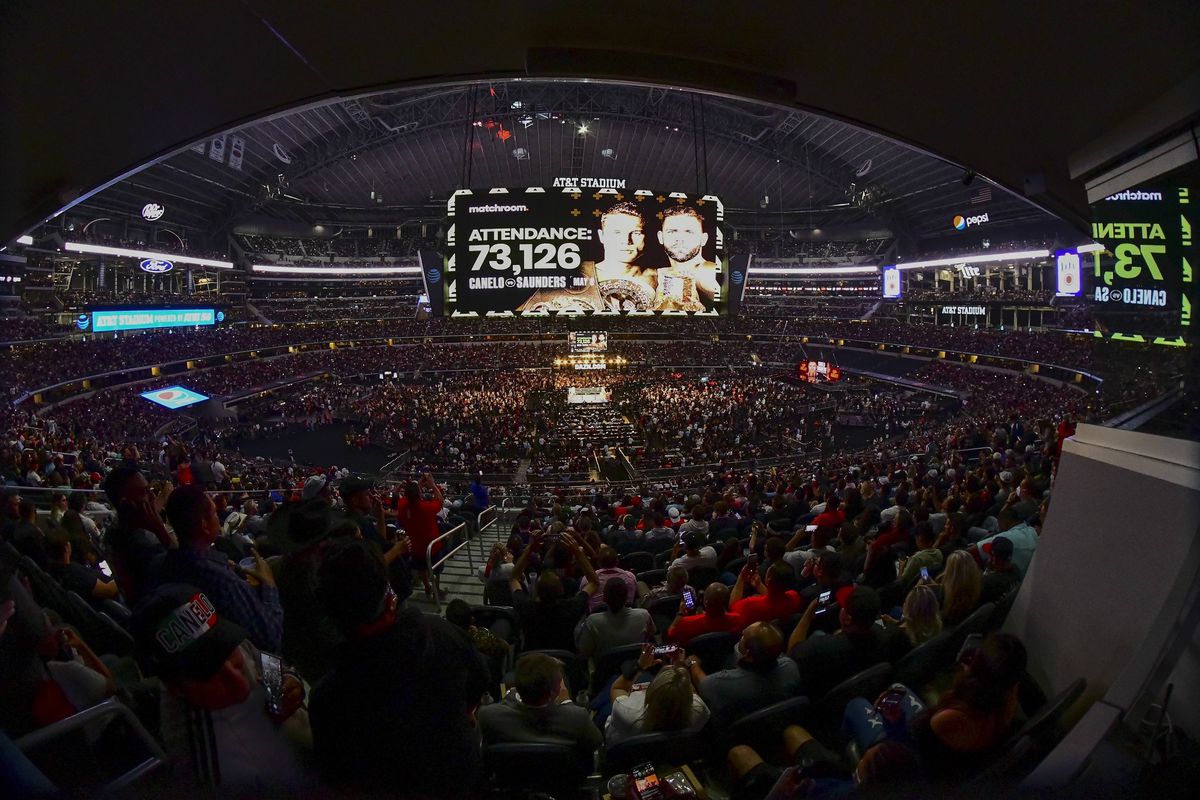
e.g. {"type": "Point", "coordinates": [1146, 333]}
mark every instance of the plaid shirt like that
{"type": "Point", "coordinates": [258, 612]}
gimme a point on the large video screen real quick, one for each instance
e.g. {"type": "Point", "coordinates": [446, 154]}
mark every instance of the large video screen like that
{"type": "Point", "coordinates": [108, 320]}
{"type": "Point", "coordinates": [587, 341]}
{"type": "Point", "coordinates": [1143, 283]}
{"type": "Point", "coordinates": [174, 397]}
{"type": "Point", "coordinates": [576, 251]}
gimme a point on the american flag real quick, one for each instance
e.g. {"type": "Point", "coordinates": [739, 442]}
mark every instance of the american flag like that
{"type": "Point", "coordinates": [982, 195]}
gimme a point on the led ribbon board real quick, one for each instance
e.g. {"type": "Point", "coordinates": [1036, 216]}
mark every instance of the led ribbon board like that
{"type": "Point", "coordinates": [135, 319]}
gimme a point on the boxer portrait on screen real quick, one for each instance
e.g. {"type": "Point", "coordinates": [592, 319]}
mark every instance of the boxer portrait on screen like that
{"type": "Point", "coordinates": [690, 282]}
{"type": "Point", "coordinates": [617, 282]}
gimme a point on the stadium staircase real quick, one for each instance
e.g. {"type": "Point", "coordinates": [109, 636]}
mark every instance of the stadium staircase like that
{"type": "Point", "coordinates": [522, 473]}
{"type": "Point", "coordinates": [871, 311]}
{"type": "Point", "coordinates": [459, 576]}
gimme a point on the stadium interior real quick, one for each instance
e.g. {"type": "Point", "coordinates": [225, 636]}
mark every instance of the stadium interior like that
{"type": "Point", "coordinates": [450, 407]}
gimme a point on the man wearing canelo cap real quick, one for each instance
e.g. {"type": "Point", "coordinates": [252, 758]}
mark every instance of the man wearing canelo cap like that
{"type": "Point", "coordinates": [215, 716]}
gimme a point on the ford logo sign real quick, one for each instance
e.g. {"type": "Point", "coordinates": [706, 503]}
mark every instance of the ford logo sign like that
{"type": "Point", "coordinates": [435, 275]}
{"type": "Point", "coordinates": [157, 265]}
{"type": "Point", "coordinates": [153, 211]}
{"type": "Point", "coordinates": [82, 321]}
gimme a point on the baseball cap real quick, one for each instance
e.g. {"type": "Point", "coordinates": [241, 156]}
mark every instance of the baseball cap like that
{"type": "Point", "coordinates": [349, 487]}
{"type": "Point", "coordinates": [1006, 476]}
{"type": "Point", "coordinates": [673, 512]}
{"type": "Point", "coordinates": [695, 538]}
{"type": "Point", "coordinates": [314, 486]}
{"type": "Point", "coordinates": [179, 634]}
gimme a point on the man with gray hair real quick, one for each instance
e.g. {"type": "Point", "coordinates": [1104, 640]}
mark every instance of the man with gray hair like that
{"type": "Point", "coordinates": [676, 582]}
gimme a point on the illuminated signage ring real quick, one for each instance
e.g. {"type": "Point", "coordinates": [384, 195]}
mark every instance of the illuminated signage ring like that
{"type": "Point", "coordinates": [153, 211]}
{"type": "Point", "coordinates": [156, 265]}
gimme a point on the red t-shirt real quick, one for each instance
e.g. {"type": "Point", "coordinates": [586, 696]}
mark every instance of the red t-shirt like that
{"type": "Point", "coordinates": [762, 607]}
{"type": "Point", "coordinates": [829, 519]}
{"type": "Point", "coordinates": [688, 628]}
{"type": "Point", "coordinates": [420, 523]}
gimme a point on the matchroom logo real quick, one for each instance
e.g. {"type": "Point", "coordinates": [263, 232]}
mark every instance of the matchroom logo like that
{"type": "Point", "coordinates": [1135, 194]}
{"type": "Point", "coordinates": [961, 223]}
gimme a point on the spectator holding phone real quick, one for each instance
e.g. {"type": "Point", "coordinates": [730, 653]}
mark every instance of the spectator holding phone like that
{"type": "Point", "coordinates": [668, 704]}
{"type": "Point", "coordinates": [222, 725]}
{"type": "Point", "coordinates": [715, 617]}
{"type": "Point", "coordinates": [776, 598]}
{"type": "Point", "coordinates": [928, 556]}
{"type": "Point", "coordinates": [549, 622]}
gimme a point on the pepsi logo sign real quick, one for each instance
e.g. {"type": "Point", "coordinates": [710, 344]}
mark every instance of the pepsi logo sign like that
{"type": "Point", "coordinates": [153, 211]}
{"type": "Point", "coordinates": [961, 223]}
{"type": "Point", "coordinates": [156, 266]}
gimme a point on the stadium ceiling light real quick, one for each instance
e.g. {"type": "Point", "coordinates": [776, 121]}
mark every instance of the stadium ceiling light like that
{"type": "Point", "coordinates": [25, 240]}
{"type": "Point", "coordinates": [278, 268]}
{"type": "Point", "coordinates": [1090, 247]}
{"type": "Point", "coordinates": [859, 270]}
{"type": "Point", "coordinates": [105, 250]}
{"type": "Point", "coordinates": [583, 128]}
{"type": "Point", "coordinates": [979, 259]}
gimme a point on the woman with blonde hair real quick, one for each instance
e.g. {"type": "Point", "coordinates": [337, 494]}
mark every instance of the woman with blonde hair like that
{"type": "Point", "coordinates": [961, 583]}
{"type": "Point", "coordinates": [669, 703]}
{"type": "Point", "coordinates": [922, 619]}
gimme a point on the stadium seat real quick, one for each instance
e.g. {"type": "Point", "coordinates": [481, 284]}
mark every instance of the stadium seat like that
{"type": "Point", "coordinates": [701, 577]}
{"type": "Point", "coordinates": [921, 664]}
{"type": "Point", "coordinates": [735, 566]}
{"type": "Point", "coordinates": [638, 561]}
{"type": "Point", "coordinates": [978, 622]}
{"type": "Point", "coordinates": [93, 718]}
{"type": "Point", "coordinates": [497, 593]}
{"type": "Point", "coordinates": [676, 748]}
{"type": "Point", "coordinates": [663, 610]}
{"type": "Point", "coordinates": [715, 650]}
{"type": "Point", "coordinates": [528, 767]}
{"type": "Point", "coordinates": [763, 729]}
{"type": "Point", "coordinates": [610, 663]}
{"type": "Point", "coordinates": [652, 577]}
{"type": "Point", "coordinates": [662, 559]}
{"type": "Point", "coordinates": [827, 714]}
{"type": "Point", "coordinates": [487, 616]}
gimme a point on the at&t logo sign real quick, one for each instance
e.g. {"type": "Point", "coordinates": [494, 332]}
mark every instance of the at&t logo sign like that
{"type": "Point", "coordinates": [156, 266]}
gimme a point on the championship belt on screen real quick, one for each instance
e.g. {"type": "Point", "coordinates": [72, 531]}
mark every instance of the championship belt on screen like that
{"type": "Point", "coordinates": [677, 291]}
{"type": "Point", "coordinates": [623, 294]}
{"type": "Point", "coordinates": [577, 299]}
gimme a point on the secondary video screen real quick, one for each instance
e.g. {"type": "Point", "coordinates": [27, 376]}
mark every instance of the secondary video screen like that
{"type": "Point", "coordinates": [587, 341]}
{"type": "Point", "coordinates": [576, 251]}
{"type": "Point", "coordinates": [174, 397]}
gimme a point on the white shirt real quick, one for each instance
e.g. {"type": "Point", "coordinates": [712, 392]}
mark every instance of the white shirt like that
{"type": "Point", "coordinates": [629, 710]}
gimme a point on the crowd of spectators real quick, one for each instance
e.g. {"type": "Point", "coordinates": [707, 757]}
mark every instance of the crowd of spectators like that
{"type": "Point", "coordinates": [798, 578]}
